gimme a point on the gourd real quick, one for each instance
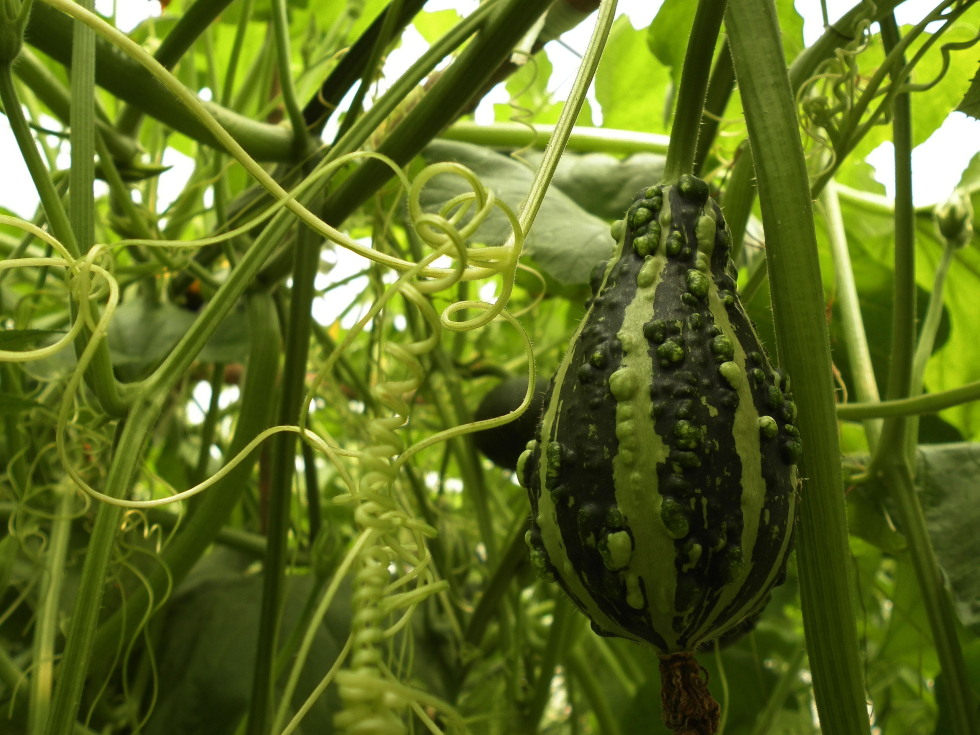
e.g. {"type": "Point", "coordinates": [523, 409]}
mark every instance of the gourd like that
{"type": "Point", "coordinates": [662, 477]}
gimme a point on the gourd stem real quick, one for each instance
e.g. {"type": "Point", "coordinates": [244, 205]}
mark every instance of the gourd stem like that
{"type": "Point", "coordinates": [581, 138]}
{"type": "Point", "coordinates": [214, 507]}
{"type": "Point", "coordinates": [693, 87]}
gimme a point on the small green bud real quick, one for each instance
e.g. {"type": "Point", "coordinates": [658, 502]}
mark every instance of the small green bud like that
{"type": "Point", "coordinates": [954, 218]}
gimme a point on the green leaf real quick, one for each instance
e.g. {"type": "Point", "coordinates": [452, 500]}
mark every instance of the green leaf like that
{"type": "Point", "coordinates": [601, 184]}
{"type": "Point", "coordinates": [668, 34]}
{"type": "Point", "coordinates": [946, 480]}
{"type": "Point", "coordinates": [433, 25]}
{"type": "Point", "coordinates": [970, 104]}
{"type": "Point", "coordinates": [206, 666]}
{"type": "Point", "coordinates": [142, 333]}
{"type": "Point", "coordinates": [565, 241]}
{"type": "Point", "coordinates": [632, 90]}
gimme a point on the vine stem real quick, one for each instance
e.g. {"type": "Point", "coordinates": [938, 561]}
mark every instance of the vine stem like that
{"type": "Point", "coordinates": [927, 340]}
{"type": "Point", "coordinates": [804, 350]}
{"type": "Point", "coordinates": [569, 114]}
{"type": "Point", "coordinates": [850, 309]}
{"type": "Point", "coordinates": [892, 462]}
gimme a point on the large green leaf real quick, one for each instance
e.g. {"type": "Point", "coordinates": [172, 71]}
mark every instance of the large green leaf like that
{"type": "Point", "coordinates": [630, 85]}
{"type": "Point", "coordinates": [601, 184]}
{"type": "Point", "coordinates": [207, 663]}
{"type": "Point", "coordinates": [946, 478]}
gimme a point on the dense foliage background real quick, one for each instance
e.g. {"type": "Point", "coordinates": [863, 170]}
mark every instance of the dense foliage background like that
{"type": "Point", "coordinates": [307, 366]}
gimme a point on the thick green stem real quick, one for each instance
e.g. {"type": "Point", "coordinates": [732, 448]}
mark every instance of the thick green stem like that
{"type": "Point", "coordinates": [283, 462]}
{"type": "Point", "coordinates": [194, 21]}
{"type": "Point", "coordinates": [721, 84]}
{"type": "Point", "coordinates": [442, 104]}
{"type": "Point", "coordinates": [804, 350]}
{"type": "Point", "coordinates": [693, 87]}
{"type": "Point", "coordinates": [559, 634]}
{"type": "Point", "coordinates": [583, 674]}
{"type": "Point", "coordinates": [584, 139]}
{"type": "Point", "coordinates": [929, 403]}
{"type": "Point", "coordinates": [280, 29]}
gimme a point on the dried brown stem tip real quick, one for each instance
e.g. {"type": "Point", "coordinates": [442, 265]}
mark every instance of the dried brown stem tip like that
{"type": "Point", "coordinates": [689, 708]}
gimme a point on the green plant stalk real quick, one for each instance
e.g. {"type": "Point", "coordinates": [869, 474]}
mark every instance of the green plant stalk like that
{"type": "Point", "coordinates": [926, 342]}
{"type": "Point", "coordinates": [693, 88]}
{"type": "Point", "coordinates": [46, 623]}
{"type": "Point", "coordinates": [891, 462]}
{"type": "Point", "coordinates": [16, 444]}
{"type": "Point", "coordinates": [721, 84]}
{"type": "Point", "coordinates": [838, 34]}
{"type": "Point", "coordinates": [215, 506]}
{"type": "Point", "coordinates": [81, 175]}
{"type": "Point", "coordinates": [350, 69]}
{"type": "Point", "coordinates": [192, 23]}
{"type": "Point", "coordinates": [373, 61]}
{"type": "Point", "coordinates": [283, 462]}
{"type": "Point", "coordinates": [228, 86]}
{"type": "Point", "coordinates": [560, 635]}
{"type": "Point", "coordinates": [581, 672]}
{"type": "Point", "coordinates": [804, 350]}
{"type": "Point", "coordinates": [929, 403]}
{"type": "Point", "coordinates": [738, 197]}
{"type": "Point", "coordinates": [805, 66]}
{"type": "Point", "coordinates": [99, 375]}
{"type": "Point", "coordinates": [583, 139]}
{"type": "Point", "coordinates": [210, 424]}
{"type": "Point", "coordinates": [570, 112]}
{"type": "Point", "coordinates": [852, 129]}
{"type": "Point", "coordinates": [280, 31]}
{"type": "Point", "coordinates": [855, 338]}
{"type": "Point", "coordinates": [777, 698]}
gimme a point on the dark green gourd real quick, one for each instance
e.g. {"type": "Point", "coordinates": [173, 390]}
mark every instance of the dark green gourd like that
{"type": "Point", "coordinates": [662, 478]}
